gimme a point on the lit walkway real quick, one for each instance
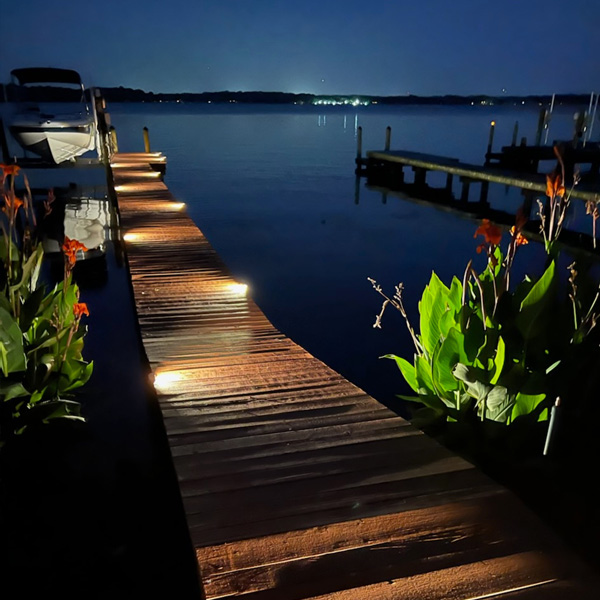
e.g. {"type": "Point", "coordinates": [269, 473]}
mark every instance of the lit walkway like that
{"type": "Point", "coordinates": [296, 484]}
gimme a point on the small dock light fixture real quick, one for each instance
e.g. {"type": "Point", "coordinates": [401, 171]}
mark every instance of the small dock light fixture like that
{"type": "Point", "coordinates": [241, 289]}
{"type": "Point", "coordinates": [163, 380]}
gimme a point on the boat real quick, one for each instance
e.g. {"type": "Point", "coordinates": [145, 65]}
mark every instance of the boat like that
{"type": "Point", "coordinates": [55, 137]}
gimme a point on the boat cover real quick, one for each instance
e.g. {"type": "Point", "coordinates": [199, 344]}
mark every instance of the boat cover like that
{"type": "Point", "coordinates": [45, 75]}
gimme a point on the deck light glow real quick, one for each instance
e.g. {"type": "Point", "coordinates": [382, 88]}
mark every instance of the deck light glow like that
{"type": "Point", "coordinates": [164, 380]}
{"type": "Point", "coordinates": [238, 288]}
{"type": "Point", "coordinates": [131, 236]}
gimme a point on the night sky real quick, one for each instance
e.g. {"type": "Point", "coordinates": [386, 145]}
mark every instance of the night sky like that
{"type": "Point", "coordinates": [391, 47]}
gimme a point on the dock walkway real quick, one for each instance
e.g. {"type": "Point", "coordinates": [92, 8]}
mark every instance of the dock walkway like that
{"type": "Point", "coordinates": [393, 162]}
{"type": "Point", "coordinates": [296, 484]}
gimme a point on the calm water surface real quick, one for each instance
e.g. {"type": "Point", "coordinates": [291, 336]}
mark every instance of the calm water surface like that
{"type": "Point", "coordinates": [273, 188]}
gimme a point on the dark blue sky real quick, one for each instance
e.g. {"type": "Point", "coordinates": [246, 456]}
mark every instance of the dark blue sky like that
{"type": "Point", "coordinates": [388, 47]}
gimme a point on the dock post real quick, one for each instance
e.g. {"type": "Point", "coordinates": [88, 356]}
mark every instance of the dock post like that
{"type": "Point", "coordinates": [449, 178]}
{"type": "Point", "coordinates": [146, 141]}
{"type": "Point", "coordinates": [113, 139]}
{"type": "Point", "coordinates": [420, 177]}
{"type": "Point", "coordinates": [485, 186]}
{"type": "Point", "coordinates": [540, 127]}
{"type": "Point", "coordinates": [490, 142]}
{"type": "Point", "coordinates": [359, 158]}
{"type": "Point", "coordinates": [388, 137]}
{"type": "Point", "coordinates": [466, 183]}
{"type": "Point", "coordinates": [515, 134]}
{"type": "Point", "coordinates": [527, 202]}
{"type": "Point", "coordinates": [3, 143]}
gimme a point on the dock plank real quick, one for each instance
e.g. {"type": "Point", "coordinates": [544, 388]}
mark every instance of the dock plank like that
{"type": "Point", "coordinates": [295, 483]}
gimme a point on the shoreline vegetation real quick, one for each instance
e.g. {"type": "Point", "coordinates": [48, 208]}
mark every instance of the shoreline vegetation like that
{"type": "Point", "coordinates": [123, 94]}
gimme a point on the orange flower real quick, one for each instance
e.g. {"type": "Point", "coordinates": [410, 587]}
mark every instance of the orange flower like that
{"type": "Point", "coordinates": [11, 205]}
{"type": "Point", "coordinates": [520, 239]}
{"type": "Point", "coordinates": [554, 186]}
{"type": "Point", "coordinates": [70, 248]}
{"type": "Point", "coordinates": [491, 232]}
{"type": "Point", "coordinates": [80, 309]}
{"type": "Point", "coordinates": [10, 170]}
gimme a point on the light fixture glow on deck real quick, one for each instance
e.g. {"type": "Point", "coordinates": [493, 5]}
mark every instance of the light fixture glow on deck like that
{"type": "Point", "coordinates": [164, 380]}
{"type": "Point", "coordinates": [177, 205]}
{"type": "Point", "coordinates": [131, 236]}
{"type": "Point", "coordinates": [238, 288]}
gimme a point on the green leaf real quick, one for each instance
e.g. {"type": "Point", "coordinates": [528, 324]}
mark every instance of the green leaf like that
{"type": "Point", "coordinates": [408, 371]}
{"type": "Point", "coordinates": [529, 319]}
{"type": "Point", "coordinates": [11, 340]}
{"type": "Point", "coordinates": [431, 308]}
{"type": "Point", "coordinates": [526, 404]}
{"type": "Point", "coordinates": [499, 358]}
{"type": "Point", "coordinates": [446, 357]}
{"type": "Point", "coordinates": [498, 404]}
{"type": "Point", "coordinates": [424, 377]}
{"type": "Point", "coordinates": [455, 295]}
{"type": "Point", "coordinates": [12, 390]}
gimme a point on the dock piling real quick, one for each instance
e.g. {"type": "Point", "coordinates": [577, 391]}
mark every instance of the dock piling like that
{"type": "Point", "coordinates": [540, 126]}
{"type": "Point", "coordinates": [515, 134]}
{"type": "Point", "coordinates": [146, 141]}
{"type": "Point", "coordinates": [490, 142]}
{"type": "Point", "coordinates": [113, 140]}
{"type": "Point", "coordinates": [388, 137]}
{"type": "Point", "coordinates": [4, 143]}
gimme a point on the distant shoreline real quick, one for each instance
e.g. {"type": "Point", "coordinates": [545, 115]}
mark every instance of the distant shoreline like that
{"type": "Point", "coordinates": [123, 94]}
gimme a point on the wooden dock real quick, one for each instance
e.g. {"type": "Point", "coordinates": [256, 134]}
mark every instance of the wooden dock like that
{"type": "Point", "coordinates": [295, 483]}
{"type": "Point", "coordinates": [390, 164]}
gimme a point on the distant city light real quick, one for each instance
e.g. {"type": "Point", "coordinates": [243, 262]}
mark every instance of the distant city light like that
{"type": "Point", "coordinates": [340, 102]}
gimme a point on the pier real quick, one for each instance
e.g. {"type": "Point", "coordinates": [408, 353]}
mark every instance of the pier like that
{"type": "Point", "coordinates": [514, 166]}
{"type": "Point", "coordinates": [295, 483]}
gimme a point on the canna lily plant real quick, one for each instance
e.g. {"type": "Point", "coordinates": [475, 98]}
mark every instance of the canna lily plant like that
{"type": "Point", "coordinates": [41, 334]}
{"type": "Point", "coordinates": [486, 352]}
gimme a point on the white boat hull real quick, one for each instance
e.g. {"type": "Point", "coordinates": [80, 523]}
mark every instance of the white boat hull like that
{"type": "Point", "coordinates": [55, 138]}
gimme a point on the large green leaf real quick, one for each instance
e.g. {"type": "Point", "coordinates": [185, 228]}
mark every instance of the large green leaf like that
{"type": "Point", "coordinates": [526, 404]}
{"type": "Point", "coordinates": [447, 356]}
{"type": "Point", "coordinates": [498, 404]}
{"type": "Point", "coordinates": [408, 371]}
{"type": "Point", "coordinates": [531, 310]}
{"type": "Point", "coordinates": [11, 339]}
{"type": "Point", "coordinates": [498, 361]}
{"type": "Point", "coordinates": [424, 377]}
{"type": "Point", "coordinates": [432, 306]}
{"type": "Point", "coordinates": [9, 391]}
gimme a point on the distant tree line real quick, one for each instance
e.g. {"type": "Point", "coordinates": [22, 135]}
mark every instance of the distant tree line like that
{"type": "Point", "coordinates": [123, 94]}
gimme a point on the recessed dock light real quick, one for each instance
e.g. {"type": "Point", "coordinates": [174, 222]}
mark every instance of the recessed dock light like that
{"type": "Point", "coordinates": [238, 288]}
{"type": "Point", "coordinates": [164, 380]}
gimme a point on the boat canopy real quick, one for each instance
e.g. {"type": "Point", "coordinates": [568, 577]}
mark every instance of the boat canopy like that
{"type": "Point", "coordinates": [45, 75]}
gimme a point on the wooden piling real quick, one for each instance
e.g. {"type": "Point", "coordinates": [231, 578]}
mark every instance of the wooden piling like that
{"type": "Point", "coordinates": [388, 137]}
{"type": "Point", "coordinates": [515, 134]}
{"type": "Point", "coordinates": [146, 141]}
{"type": "Point", "coordinates": [359, 144]}
{"type": "Point", "coordinates": [4, 143]}
{"type": "Point", "coordinates": [490, 142]}
{"type": "Point", "coordinates": [113, 140]}
{"type": "Point", "coordinates": [540, 126]}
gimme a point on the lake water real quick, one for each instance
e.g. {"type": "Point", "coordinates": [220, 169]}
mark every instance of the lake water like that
{"type": "Point", "coordinates": [274, 190]}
